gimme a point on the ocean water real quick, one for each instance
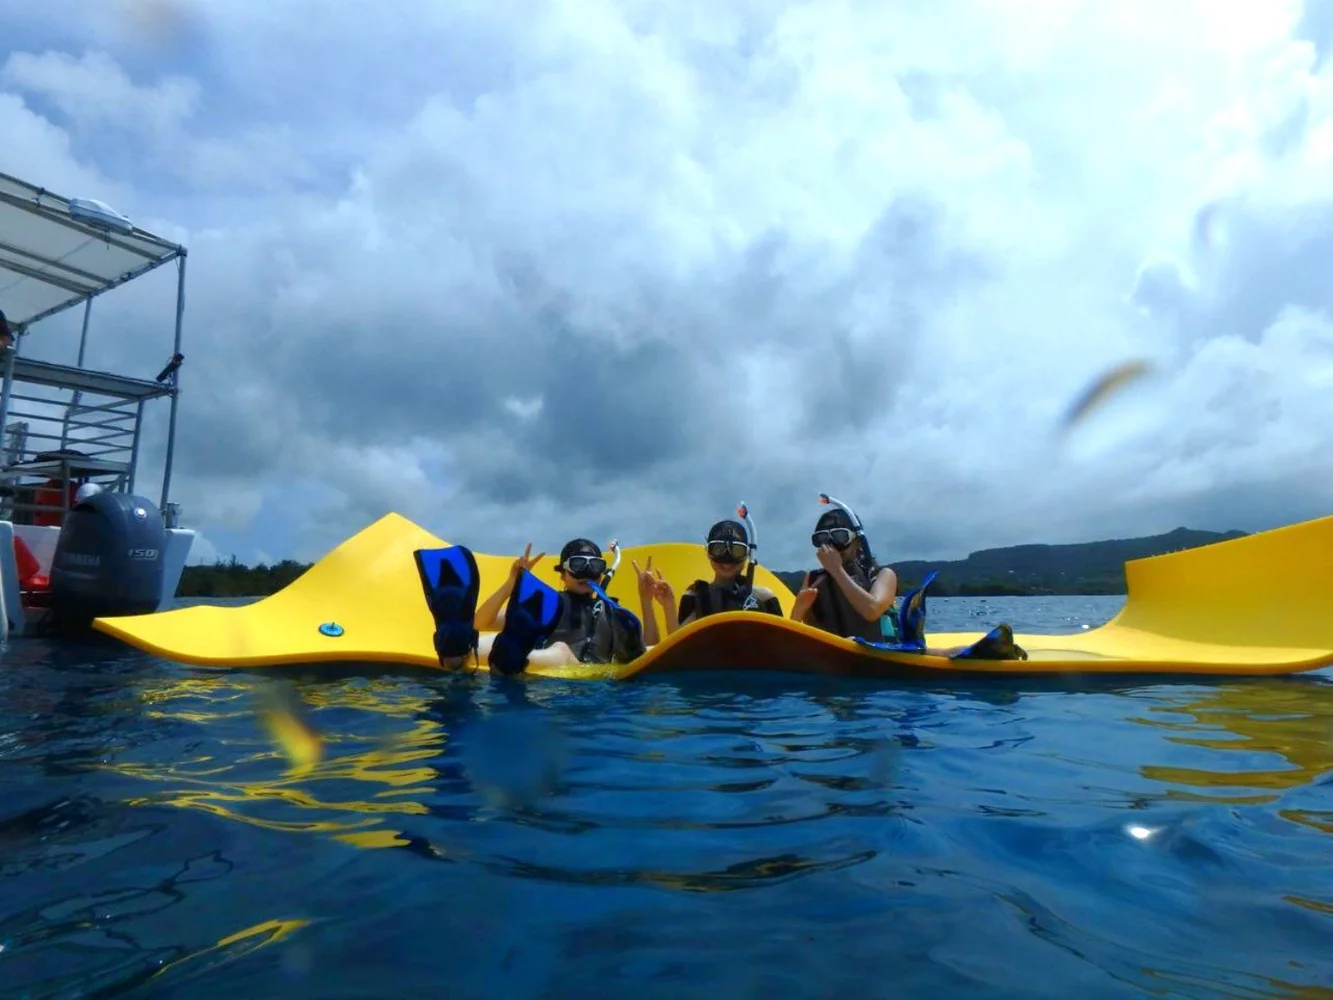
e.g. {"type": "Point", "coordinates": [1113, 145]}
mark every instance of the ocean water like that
{"type": "Point", "coordinates": [713, 835]}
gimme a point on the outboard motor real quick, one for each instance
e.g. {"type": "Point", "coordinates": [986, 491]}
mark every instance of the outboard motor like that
{"type": "Point", "coordinates": [108, 560]}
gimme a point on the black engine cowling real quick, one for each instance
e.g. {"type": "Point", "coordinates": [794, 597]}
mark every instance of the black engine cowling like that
{"type": "Point", "coordinates": [108, 560]}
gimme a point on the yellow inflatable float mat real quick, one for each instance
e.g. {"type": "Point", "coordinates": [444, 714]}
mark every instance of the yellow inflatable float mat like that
{"type": "Point", "coordinates": [1259, 604]}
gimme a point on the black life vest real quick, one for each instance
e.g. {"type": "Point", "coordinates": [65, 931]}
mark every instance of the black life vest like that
{"type": "Point", "coordinates": [583, 627]}
{"type": "Point", "coordinates": [832, 612]}
{"type": "Point", "coordinates": [704, 598]}
{"type": "Point", "coordinates": [592, 633]}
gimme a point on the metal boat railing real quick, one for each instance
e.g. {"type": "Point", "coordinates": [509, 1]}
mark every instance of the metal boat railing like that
{"type": "Point", "coordinates": [93, 435]}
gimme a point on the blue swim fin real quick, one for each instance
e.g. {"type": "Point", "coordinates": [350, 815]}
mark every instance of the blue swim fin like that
{"type": "Point", "coordinates": [531, 616]}
{"type": "Point", "coordinates": [997, 644]}
{"type": "Point", "coordinates": [912, 616]}
{"type": "Point", "coordinates": [911, 624]}
{"type": "Point", "coordinates": [451, 584]}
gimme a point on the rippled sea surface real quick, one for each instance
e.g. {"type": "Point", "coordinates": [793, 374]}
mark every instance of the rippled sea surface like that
{"type": "Point", "coordinates": [715, 835]}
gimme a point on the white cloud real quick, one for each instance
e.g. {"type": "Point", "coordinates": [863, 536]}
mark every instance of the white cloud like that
{"type": "Point", "coordinates": [202, 551]}
{"type": "Point", "coordinates": [35, 145]}
{"type": "Point", "coordinates": [610, 268]}
{"type": "Point", "coordinates": [93, 91]}
{"type": "Point", "coordinates": [524, 409]}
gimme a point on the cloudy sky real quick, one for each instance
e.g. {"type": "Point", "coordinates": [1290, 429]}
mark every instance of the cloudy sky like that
{"type": "Point", "coordinates": [524, 270]}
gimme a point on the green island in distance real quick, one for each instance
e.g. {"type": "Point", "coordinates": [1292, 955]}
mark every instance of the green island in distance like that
{"type": "Point", "coordinates": [1079, 568]}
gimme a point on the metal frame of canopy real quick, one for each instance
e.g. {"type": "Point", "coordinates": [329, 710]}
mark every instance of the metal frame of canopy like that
{"type": "Point", "coordinates": [55, 253]}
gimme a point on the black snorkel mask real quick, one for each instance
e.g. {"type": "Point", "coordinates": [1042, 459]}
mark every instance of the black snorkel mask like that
{"type": "Point", "coordinates": [839, 537]}
{"type": "Point", "coordinates": [732, 551]}
{"type": "Point", "coordinates": [584, 566]}
{"type": "Point", "coordinates": [727, 551]}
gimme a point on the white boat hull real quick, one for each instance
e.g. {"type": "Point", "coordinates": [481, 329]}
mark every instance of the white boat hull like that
{"type": "Point", "coordinates": [41, 541]}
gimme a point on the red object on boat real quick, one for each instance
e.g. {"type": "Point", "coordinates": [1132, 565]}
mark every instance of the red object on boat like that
{"type": "Point", "coordinates": [31, 576]}
{"type": "Point", "coordinates": [48, 494]}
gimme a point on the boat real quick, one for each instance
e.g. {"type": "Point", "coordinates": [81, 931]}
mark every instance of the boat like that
{"type": "Point", "coordinates": [77, 539]}
{"type": "Point", "coordinates": [1258, 604]}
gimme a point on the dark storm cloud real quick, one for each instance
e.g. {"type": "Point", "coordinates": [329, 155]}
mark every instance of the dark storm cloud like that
{"type": "Point", "coordinates": [616, 269]}
{"type": "Point", "coordinates": [904, 270]}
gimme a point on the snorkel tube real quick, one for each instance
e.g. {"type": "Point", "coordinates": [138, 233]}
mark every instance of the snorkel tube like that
{"type": "Point", "coordinates": [615, 565]}
{"type": "Point", "coordinates": [824, 498]}
{"type": "Point", "coordinates": [743, 512]}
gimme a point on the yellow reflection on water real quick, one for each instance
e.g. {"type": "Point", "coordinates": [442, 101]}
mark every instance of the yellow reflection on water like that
{"type": "Point", "coordinates": [1310, 904]}
{"type": "Point", "coordinates": [237, 945]}
{"type": "Point", "coordinates": [287, 797]}
{"type": "Point", "coordinates": [1290, 720]}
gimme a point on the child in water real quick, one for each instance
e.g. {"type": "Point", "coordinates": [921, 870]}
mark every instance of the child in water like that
{"type": "Point", "coordinates": [730, 547]}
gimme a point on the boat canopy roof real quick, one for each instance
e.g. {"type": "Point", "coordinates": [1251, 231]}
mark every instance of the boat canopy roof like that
{"type": "Point", "coordinates": [56, 252]}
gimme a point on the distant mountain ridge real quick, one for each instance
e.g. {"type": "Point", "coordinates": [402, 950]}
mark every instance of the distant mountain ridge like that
{"type": "Point", "coordinates": [1074, 568]}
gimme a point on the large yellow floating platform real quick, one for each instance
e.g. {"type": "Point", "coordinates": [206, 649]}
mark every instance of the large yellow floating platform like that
{"type": "Point", "coordinates": [1260, 604]}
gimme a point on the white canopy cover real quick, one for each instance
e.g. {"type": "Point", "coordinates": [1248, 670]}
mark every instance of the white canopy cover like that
{"type": "Point", "coordinates": [56, 252]}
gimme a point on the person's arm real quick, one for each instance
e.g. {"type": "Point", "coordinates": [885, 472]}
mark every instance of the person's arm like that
{"type": "Point", "coordinates": [490, 616]}
{"type": "Point", "coordinates": [768, 601]}
{"type": "Point", "coordinates": [651, 636]}
{"type": "Point", "coordinates": [870, 605]}
{"type": "Point", "coordinates": [665, 595]}
{"type": "Point", "coordinates": [679, 614]}
{"type": "Point", "coordinates": [805, 599]}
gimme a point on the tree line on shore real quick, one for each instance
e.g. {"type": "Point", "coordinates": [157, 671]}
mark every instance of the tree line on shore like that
{"type": "Point", "coordinates": [1020, 570]}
